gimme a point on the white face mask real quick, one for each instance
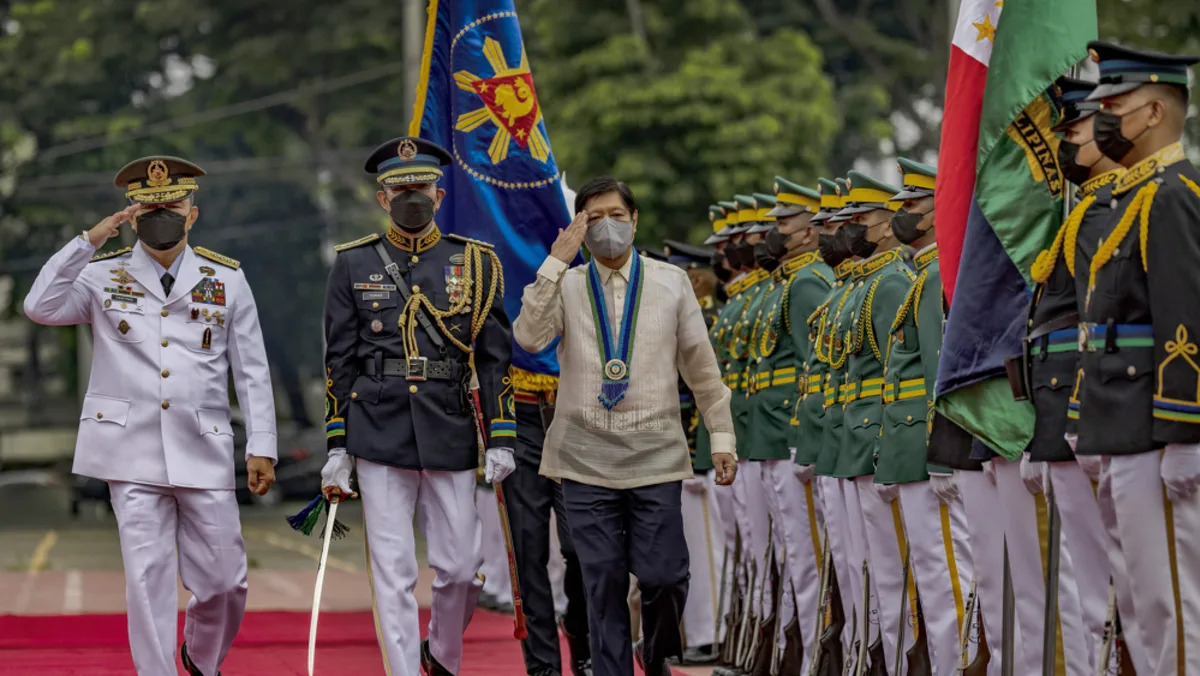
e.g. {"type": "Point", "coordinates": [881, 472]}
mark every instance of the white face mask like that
{"type": "Point", "coordinates": [609, 238]}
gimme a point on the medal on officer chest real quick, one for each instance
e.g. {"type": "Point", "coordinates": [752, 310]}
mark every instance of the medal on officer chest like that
{"type": "Point", "coordinates": [206, 339]}
{"type": "Point", "coordinates": [615, 351]}
{"type": "Point", "coordinates": [455, 285]}
{"type": "Point", "coordinates": [123, 327]}
{"type": "Point", "coordinates": [376, 326]}
{"type": "Point", "coordinates": [209, 291]}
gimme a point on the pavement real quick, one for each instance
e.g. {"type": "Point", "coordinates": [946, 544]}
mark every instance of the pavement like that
{"type": "Point", "coordinates": [54, 563]}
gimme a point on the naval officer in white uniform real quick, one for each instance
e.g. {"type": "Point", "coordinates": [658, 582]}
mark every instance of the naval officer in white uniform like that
{"type": "Point", "coordinates": [168, 322]}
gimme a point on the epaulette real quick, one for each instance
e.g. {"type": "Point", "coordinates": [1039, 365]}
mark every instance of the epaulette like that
{"type": "Point", "coordinates": [373, 237]}
{"type": "Point", "coordinates": [468, 240]}
{"type": "Point", "coordinates": [111, 254]}
{"type": "Point", "coordinates": [217, 258]}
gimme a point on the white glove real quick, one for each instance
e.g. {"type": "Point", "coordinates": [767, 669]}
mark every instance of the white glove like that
{"type": "Point", "coordinates": [1180, 471]}
{"type": "Point", "coordinates": [989, 471]}
{"type": "Point", "coordinates": [792, 453]}
{"type": "Point", "coordinates": [944, 487]}
{"type": "Point", "coordinates": [696, 485]}
{"type": "Point", "coordinates": [1092, 465]}
{"type": "Point", "coordinates": [336, 472]}
{"type": "Point", "coordinates": [887, 492]}
{"type": "Point", "coordinates": [803, 472]}
{"type": "Point", "coordinates": [1031, 474]}
{"type": "Point", "coordinates": [499, 464]}
{"type": "Point", "coordinates": [1072, 440]}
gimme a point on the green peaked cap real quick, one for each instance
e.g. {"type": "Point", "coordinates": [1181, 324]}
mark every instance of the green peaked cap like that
{"type": "Point", "coordinates": [793, 198]}
{"type": "Point", "coordinates": [830, 193]}
{"type": "Point", "coordinates": [918, 179]}
{"type": "Point", "coordinates": [867, 194]}
{"type": "Point", "coordinates": [763, 203]}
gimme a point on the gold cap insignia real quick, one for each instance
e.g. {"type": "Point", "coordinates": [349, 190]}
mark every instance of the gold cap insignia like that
{"type": "Point", "coordinates": [406, 150]}
{"type": "Point", "coordinates": [776, 187]}
{"type": "Point", "coordinates": [157, 174]}
{"type": "Point", "coordinates": [1095, 55]}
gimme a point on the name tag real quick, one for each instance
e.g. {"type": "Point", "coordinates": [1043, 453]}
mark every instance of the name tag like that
{"type": "Point", "coordinates": [376, 295]}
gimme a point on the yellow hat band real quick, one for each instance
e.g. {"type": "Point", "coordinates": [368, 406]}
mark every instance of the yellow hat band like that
{"type": "Point", "coordinates": [746, 215]}
{"type": "Point", "coordinates": [719, 225]}
{"type": "Point", "coordinates": [171, 193]}
{"type": "Point", "coordinates": [868, 195]}
{"type": "Point", "coordinates": [797, 200]}
{"type": "Point", "coordinates": [920, 181]}
{"type": "Point", "coordinates": [831, 201]}
{"type": "Point", "coordinates": [409, 175]}
{"type": "Point", "coordinates": [762, 215]}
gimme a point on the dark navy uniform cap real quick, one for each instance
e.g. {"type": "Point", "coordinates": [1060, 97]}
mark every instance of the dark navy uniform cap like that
{"type": "Point", "coordinates": [1076, 105]}
{"type": "Point", "coordinates": [1123, 69]}
{"type": "Point", "coordinates": [687, 256]}
{"type": "Point", "coordinates": [158, 179]}
{"type": "Point", "coordinates": [407, 160]}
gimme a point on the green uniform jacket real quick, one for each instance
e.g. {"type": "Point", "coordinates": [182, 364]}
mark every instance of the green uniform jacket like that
{"type": "Point", "coordinates": [810, 293]}
{"type": "Point", "coordinates": [776, 350]}
{"type": "Point", "coordinates": [740, 292]}
{"type": "Point", "coordinates": [827, 350]}
{"type": "Point", "coordinates": [909, 377]}
{"type": "Point", "coordinates": [739, 363]}
{"type": "Point", "coordinates": [881, 283]}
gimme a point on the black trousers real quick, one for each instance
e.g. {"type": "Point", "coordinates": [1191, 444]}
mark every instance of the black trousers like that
{"type": "Point", "coordinates": [530, 498]}
{"type": "Point", "coordinates": [618, 532]}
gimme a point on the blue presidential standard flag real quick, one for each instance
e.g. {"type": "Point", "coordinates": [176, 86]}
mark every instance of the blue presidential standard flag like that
{"type": "Point", "coordinates": [476, 99]}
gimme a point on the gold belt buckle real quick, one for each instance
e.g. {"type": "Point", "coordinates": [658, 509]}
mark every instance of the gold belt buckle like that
{"type": "Point", "coordinates": [1084, 336]}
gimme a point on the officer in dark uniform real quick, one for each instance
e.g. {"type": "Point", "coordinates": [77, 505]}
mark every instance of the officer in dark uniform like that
{"type": "Point", "coordinates": [1139, 386]}
{"type": "Point", "coordinates": [406, 314]}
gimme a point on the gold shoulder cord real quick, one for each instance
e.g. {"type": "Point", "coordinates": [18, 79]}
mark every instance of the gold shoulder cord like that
{"type": "Point", "coordinates": [473, 270]}
{"type": "Point", "coordinates": [865, 322]}
{"type": "Point", "coordinates": [1138, 206]}
{"type": "Point", "coordinates": [839, 361]}
{"type": "Point", "coordinates": [910, 302]}
{"type": "Point", "coordinates": [1064, 242]}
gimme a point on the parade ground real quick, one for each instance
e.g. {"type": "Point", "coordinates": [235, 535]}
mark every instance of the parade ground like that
{"type": "Point", "coordinates": [62, 597]}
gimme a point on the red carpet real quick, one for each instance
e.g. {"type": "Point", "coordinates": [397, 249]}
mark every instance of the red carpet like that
{"type": "Point", "coordinates": [270, 644]}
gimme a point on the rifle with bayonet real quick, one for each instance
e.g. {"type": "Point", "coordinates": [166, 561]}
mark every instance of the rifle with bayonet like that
{"type": "Point", "coordinates": [973, 617]}
{"type": "Point", "coordinates": [827, 641]}
{"type": "Point", "coordinates": [736, 604]}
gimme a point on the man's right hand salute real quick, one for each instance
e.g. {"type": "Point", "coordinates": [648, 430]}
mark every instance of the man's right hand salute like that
{"type": "Point", "coordinates": [110, 227]}
{"type": "Point", "coordinates": [566, 247]}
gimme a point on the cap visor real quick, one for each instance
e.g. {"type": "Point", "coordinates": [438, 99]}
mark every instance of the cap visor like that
{"type": "Point", "coordinates": [785, 210]}
{"type": "Point", "coordinates": [1062, 126]}
{"type": "Point", "coordinates": [850, 211]}
{"type": "Point", "coordinates": [716, 238]}
{"type": "Point", "coordinates": [1105, 91]}
{"type": "Point", "coordinates": [764, 226]}
{"type": "Point", "coordinates": [839, 217]}
{"type": "Point", "coordinates": [910, 195]}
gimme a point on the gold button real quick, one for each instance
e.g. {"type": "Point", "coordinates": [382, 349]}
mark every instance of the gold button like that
{"type": "Point", "coordinates": [165, 373]}
{"type": "Point", "coordinates": [415, 259]}
{"type": "Point", "coordinates": [354, 395]}
{"type": "Point", "coordinates": [412, 389]}
{"type": "Point", "coordinates": [164, 312]}
{"type": "Point", "coordinates": [99, 416]}
{"type": "Point", "coordinates": [909, 419]}
{"type": "Point", "coordinates": [1154, 77]}
{"type": "Point", "coordinates": [1132, 370]}
{"type": "Point", "coordinates": [1054, 381]}
{"type": "Point", "coordinates": [866, 421]}
{"type": "Point", "coordinates": [416, 288]}
{"type": "Point", "coordinates": [1117, 251]}
{"type": "Point", "coordinates": [375, 306]}
{"type": "Point", "coordinates": [166, 405]}
{"type": "Point", "coordinates": [164, 342]}
{"type": "Point", "coordinates": [215, 429]}
{"type": "Point", "coordinates": [785, 402]}
{"type": "Point", "coordinates": [758, 361]}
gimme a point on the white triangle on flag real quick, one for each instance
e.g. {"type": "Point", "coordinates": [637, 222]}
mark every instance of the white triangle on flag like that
{"type": "Point", "coordinates": [975, 31]}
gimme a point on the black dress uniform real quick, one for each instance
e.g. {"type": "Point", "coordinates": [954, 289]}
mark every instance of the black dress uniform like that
{"type": "Point", "coordinates": [1139, 385]}
{"type": "Point", "coordinates": [409, 319]}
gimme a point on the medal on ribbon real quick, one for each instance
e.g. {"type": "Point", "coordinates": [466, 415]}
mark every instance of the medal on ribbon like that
{"type": "Point", "coordinates": [616, 353]}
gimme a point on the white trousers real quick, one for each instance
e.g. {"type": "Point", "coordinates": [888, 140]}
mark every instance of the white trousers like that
{"type": "Point", "coordinates": [722, 498]}
{"type": "Point", "coordinates": [706, 544]}
{"type": "Point", "coordinates": [885, 540]}
{"type": "Point", "coordinates": [1130, 629]}
{"type": "Point", "coordinates": [497, 580]}
{"type": "Point", "coordinates": [444, 503]}
{"type": "Point", "coordinates": [1025, 524]}
{"type": "Point", "coordinates": [750, 504]}
{"type": "Point", "coordinates": [783, 548]}
{"type": "Point", "coordinates": [858, 554]}
{"type": "Point", "coordinates": [1162, 557]}
{"type": "Point", "coordinates": [180, 533]}
{"type": "Point", "coordinates": [837, 525]}
{"type": "Point", "coordinates": [941, 564]}
{"type": "Point", "coordinates": [796, 524]}
{"type": "Point", "coordinates": [981, 501]}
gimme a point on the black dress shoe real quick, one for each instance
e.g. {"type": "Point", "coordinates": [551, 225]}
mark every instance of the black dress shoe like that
{"type": "Point", "coordinates": [188, 664]}
{"type": "Point", "coordinates": [698, 656]}
{"type": "Point", "coordinates": [545, 671]}
{"type": "Point", "coordinates": [429, 665]}
{"type": "Point", "coordinates": [660, 669]}
{"type": "Point", "coordinates": [579, 649]}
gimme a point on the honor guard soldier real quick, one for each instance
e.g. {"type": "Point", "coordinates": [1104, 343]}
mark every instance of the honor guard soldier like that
{"type": "Point", "coordinates": [1050, 363]}
{"type": "Point", "coordinates": [881, 280]}
{"type": "Point", "coordinates": [1139, 401]}
{"type": "Point", "coordinates": [780, 377]}
{"type": "Point", "coordinates": [406, 314]}
{"type": "Point", "coordinates": [706, 542]}
{"type": "Point", "coordinates": [168, 322]}
{"type": "Point", "coordinates": [935, 526]}
{"type": "Point", "coordinates": [823, 331]}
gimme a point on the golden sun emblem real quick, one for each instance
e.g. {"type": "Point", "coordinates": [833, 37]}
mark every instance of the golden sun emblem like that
{"type": "Point", "coordinates": [406, 150]}
{"type": "Point", "coordinates": [157, 174]}
{"type": "Point", "coordinates": [509, 102]}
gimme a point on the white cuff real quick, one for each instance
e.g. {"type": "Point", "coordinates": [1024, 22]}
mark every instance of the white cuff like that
{"type": "Point", "coordinates": [262, 445]}
{"type": "Point", "coordinates": [723, 442]}
{"type": "Point", "coordinates": [83, 242]}
{"type": "Point", "coordinates": [552, 269]}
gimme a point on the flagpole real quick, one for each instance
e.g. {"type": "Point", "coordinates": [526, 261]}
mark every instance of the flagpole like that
{"type": "Point", "coordinates": [412, 19]}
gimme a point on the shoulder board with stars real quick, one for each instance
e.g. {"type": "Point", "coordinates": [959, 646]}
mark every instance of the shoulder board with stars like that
{"type": "Point", "coordinates": [217, 258]}
{"type": "Point", "coordinates": [373, 237]}
{"type": "Point", "coordinates": [468, 240]}
{"type": "Point", "coordinates": [111, 254]}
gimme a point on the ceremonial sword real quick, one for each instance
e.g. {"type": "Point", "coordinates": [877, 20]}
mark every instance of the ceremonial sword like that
{"type": "Point", "coordinates": [316, 609]}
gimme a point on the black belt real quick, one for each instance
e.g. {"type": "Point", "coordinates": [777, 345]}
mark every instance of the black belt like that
{"type": "Point", "coordinates": [1067, 321]}
{"type": "Point", "coordinates": [417, 369]}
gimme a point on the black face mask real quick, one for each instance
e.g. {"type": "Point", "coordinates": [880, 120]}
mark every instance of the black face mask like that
{"type": "Point", "coordinates": [777, 243]}
{"type": "Point", "coordinates": [1068, 163]}
{"type": "Point", "coordinates": [855, 237]}
{"type": "Point", "coordinates": [411, 210]}
{"type": "Point", "coordinates": [833, 250]}
{"type": "Point", "coordinates": [763, 257]}
{"type": "Point", "coordinates": [161, 229]}
{"type": "Point", "coordinates": [717, 261]}
{"type": "Point", "coordinates": [905, 224]}
{"type": "Point", "coordinates": [741, 255]}
{"type": "Point", "coordinates": [1106, 130]}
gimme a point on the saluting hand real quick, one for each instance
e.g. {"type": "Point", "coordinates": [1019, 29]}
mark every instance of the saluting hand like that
{"type": "Point", "coordinates": [110, 227]}
{"type": "Point", "coordinates": [566, 247]}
